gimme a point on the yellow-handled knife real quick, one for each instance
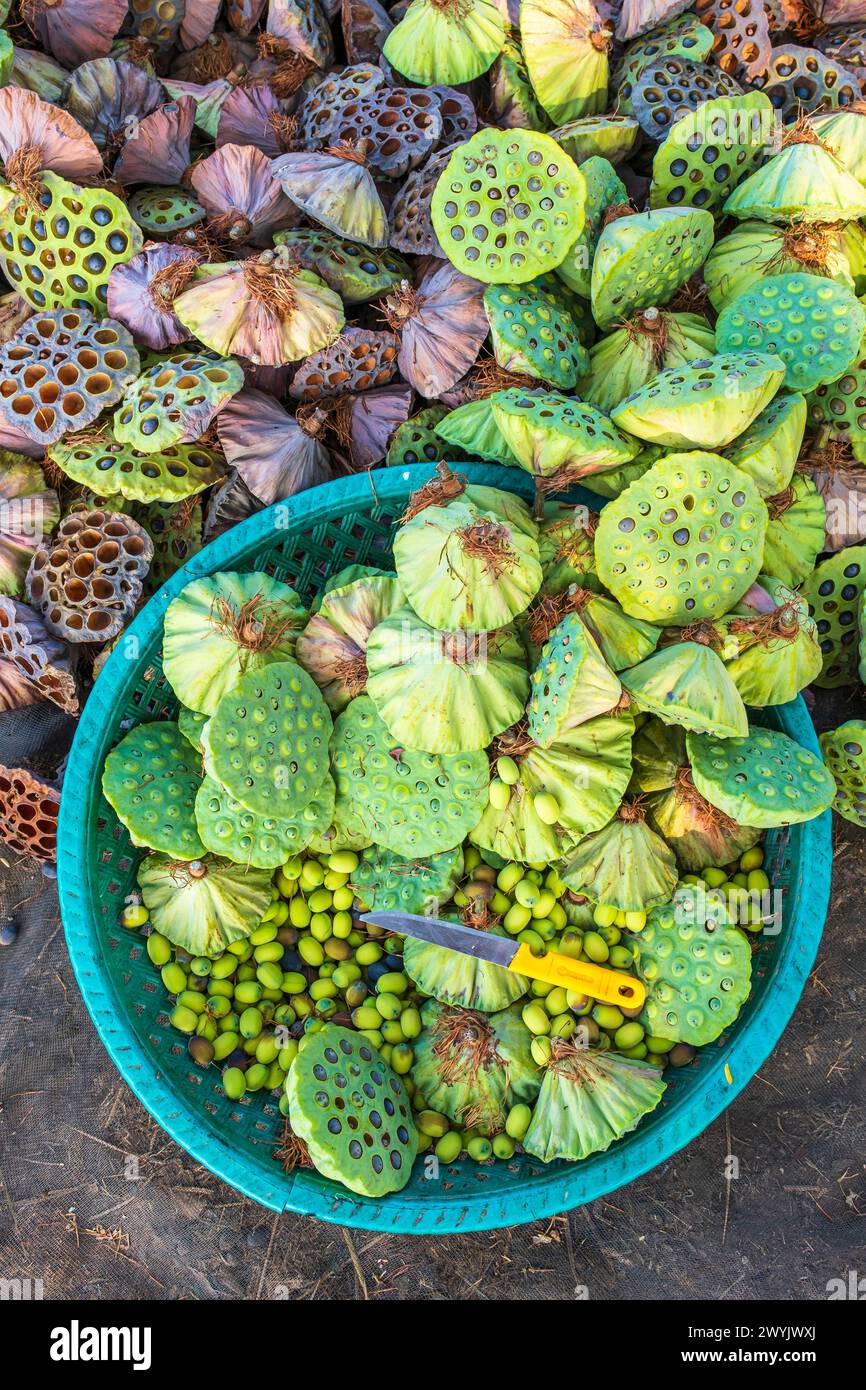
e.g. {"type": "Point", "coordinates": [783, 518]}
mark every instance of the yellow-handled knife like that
{"type": "Point", "coordinates": [610, 986]}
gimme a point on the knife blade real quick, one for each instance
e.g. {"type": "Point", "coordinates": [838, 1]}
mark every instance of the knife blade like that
{"type": "Point", "coordinates": [610, 986]}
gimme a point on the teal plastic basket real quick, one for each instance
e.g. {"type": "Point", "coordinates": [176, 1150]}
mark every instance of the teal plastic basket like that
{"type": "Point", "coordinates": [303, 541]}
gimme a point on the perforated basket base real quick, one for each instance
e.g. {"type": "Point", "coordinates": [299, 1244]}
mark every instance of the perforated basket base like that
{"type": "Point", "coordinates": [302, 542]}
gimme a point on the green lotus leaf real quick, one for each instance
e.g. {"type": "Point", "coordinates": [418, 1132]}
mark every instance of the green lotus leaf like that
{"type": "Point", "coordinates": [633, 355]}
{"type": "Point", "coordinates": [461, 980]}
{"type": "Point", "coordinates": [190, 723]}
{"type": "Point", "coordinates": [611, 137]}
{"type": "Point", "coordinates": [512, 100]}
{"type": "Point", "coordinates": [803, 183]}
{"type": "Point", "coordinates": [565, 48]}
{"type": "Point", "coordinates": [436, 43]}
{"type": "Point", "coordinates": [683, 542]}
{"type": "Point", "coordinates": [844, 132]}
{"type": "Point", "coordinates": [473, 1066]}
{"type": "Point", "coordinates": [465, 568]}
{"type": "Point", "coordinates": [615, 480]}
{"type": "Point", "coordinates": [795, 535]}
{"type": "Point", "coordinates": [844, 752]}
{"type": "Point", "coordinates": [700, 836]}
{"type": "Point", "coordinates": [375, 1155]}
{"type": "Point", "coordinates": [150, 780]}
{"type": "Point", "coordinates": [588, 1099]}
{"type": "Point", "coordinates": [204, 906]}
{"type": "Point", "coordinates": [763, 780]}
{"type": "Point", "coordinates": [687, 685]}
{"type": "Point", "coordinates": [445, 692]}
{"type": "Point", "coordinates": [771, 655]}
{"type": "Point", "coordinates": [333, 645]}
{"type": "Point", "coordinates": [768, 450]}
{"type": "Point", "coordinates": [625, 865]}
{"type": "Point", "coordinates": [706, 404]}
{"type": "Point", "coordinates": [698, 972]}
{"type": "Point", "coordinates": [223, 627]}
{"type": "Point", "coordinates": [587, 773]}
{"type": "Point", "coordinates": [472, 429]}
{"type": "Point", "coordinates": [508, 205]}
{"type": "Point", "coordinates": [754, 250]}
{"type": "Point", "coordinates": [565, 547]}
{"type": "Point", "coordinates": [642, 260]}
{"type": "Point", "coordinates": [413, 803]}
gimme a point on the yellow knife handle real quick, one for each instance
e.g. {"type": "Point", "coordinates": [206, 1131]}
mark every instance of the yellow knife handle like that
{"type": "Point", "coordinates": [610, 986]}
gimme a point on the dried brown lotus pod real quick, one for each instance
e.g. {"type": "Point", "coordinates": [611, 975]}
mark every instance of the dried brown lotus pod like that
{"type": "Point", "coordinates": [61, 369]}
{"type": "Point", "coordinates": [29, 808]}
{"type": "Point", "coordinates": [254, 116]}
{"type": "Point", "coordinates": [14, 311]}
{"type": "Point", "coordinates": [74, 31]}
{"type": "Point", "coordinates": [34, 135]}
{"type": "Point", "coordinates": [322, 107]}
{"type": "Point", "coordinates": [304, 24]}
{"type": "Point", "coordinates": [244, 15]}
{"type": "Point", "coordinates": [28, 512]}
{"type": "Point", "coordinates": [142, 291]}
{"type": "Point", "coordinates": [16, 691]}
{"type": "Point", "coordinates": [158, 148]}
{"type": "Point", "coordinates": [153, 23]}
{"type": "Point", "coordinates": [366, 25]}
{"type": "Point", "coordinates": [373, 418]}
{"type": "Point", "coordinates": [39, 657]}
{"type": "Point", "coordinates": [459, 117]}
{"type": "Point", "coordinates": [411, 227]}
{"type": "Point", "coordinates": [109, 97]}
{"type": "Point", "coordinates": [741, 30]}
{"type": "Point", "coordinates": [87, 582]}
{"type": "Point", "coordinates": [357, 361]}
{"type": "Point", "coordinates": [265, 308]}
{"type": "Point", "coordinates": [244, 202]}
{"type": "Point", "coordinates": [442, 324]}
{"type": "Point", "coordinates": [400, 125]}
{"type": "Point", "coordinates": [336, 189]}
{"type": "Point", "coordinates": [272, 452]}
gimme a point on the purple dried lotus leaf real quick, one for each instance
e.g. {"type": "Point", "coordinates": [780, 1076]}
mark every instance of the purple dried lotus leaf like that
{"type": "Point", "coordinates": [244, 15]}
{"type": "Point", "coordinates": [639, 16]}
{"type": "Point", "coordinates": [229, 506]}
{"type": "Point", "coordinates": [109, 97]}
{"type": "Point", "coordinates": [14, 311]}
{"type": "Point", "coordinates": [273, 381]}
{"type": "Point", "coordinates": [241, 195]}
{"type": "Point", "coordinates": [158, 150]}
{"type": "Point", "coordinates": [40, 74]}
{"type": "Point", "coordinates": [374, 416]}
{"type": "Point", "coordinates": [253, 116]}
{"type": "Point", "coordinates": [366, 25]}
{"type": "Point", "coordinates": [304, 25]}
{"type": "Point", "coordinates": [459, 117]}
{"type": "Point", "coordinates": [28, 513]}
{"type": "Point", "coordinates": [28, 122]}
{"type": "Point", "coordinates": [140, 297]}
{"type": "Point", "coordinates": [841, 481]}
{"type": "Point", "coordinates": [843, 11]}
{"type": "Point", "coordinates": [15, 441]}
{"type": "Point", "coordinates": [40, 658]}
{"type": "Point", "coordinates": [209, 98]}
{"type": "Point", "coordinates": [273, 455]}
{"type": "Point", "coordinates": [16, 691]}
{"type": "Point", "coordinates": [358, 360]}
{"type": "Point", "coordinates": [442, 323]}
{"type": "Point", "coordinates": [74, 31]}
{"type": "Point", "coordinates": [757, 600]}
{"type": "Point", "coordinates": [199, 18]}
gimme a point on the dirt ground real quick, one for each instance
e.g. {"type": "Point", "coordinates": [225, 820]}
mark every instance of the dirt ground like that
{"type": "Point", "coordinates": [78, 1214]}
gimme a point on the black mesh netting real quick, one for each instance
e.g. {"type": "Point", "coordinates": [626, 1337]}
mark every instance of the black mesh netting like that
{"type": "Point", "coordinates": [98, 1203]}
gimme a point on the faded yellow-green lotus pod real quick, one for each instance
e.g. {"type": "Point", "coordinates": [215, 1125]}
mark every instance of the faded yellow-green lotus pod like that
{"type": "Point", "coordinates": [565, 46]}
{"type": "Point", "coordinates": [265, 308]}
{"type": "Point", "coordinates": [335, 188]}
{"type": "Point", "coordinates": [446, 41]}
